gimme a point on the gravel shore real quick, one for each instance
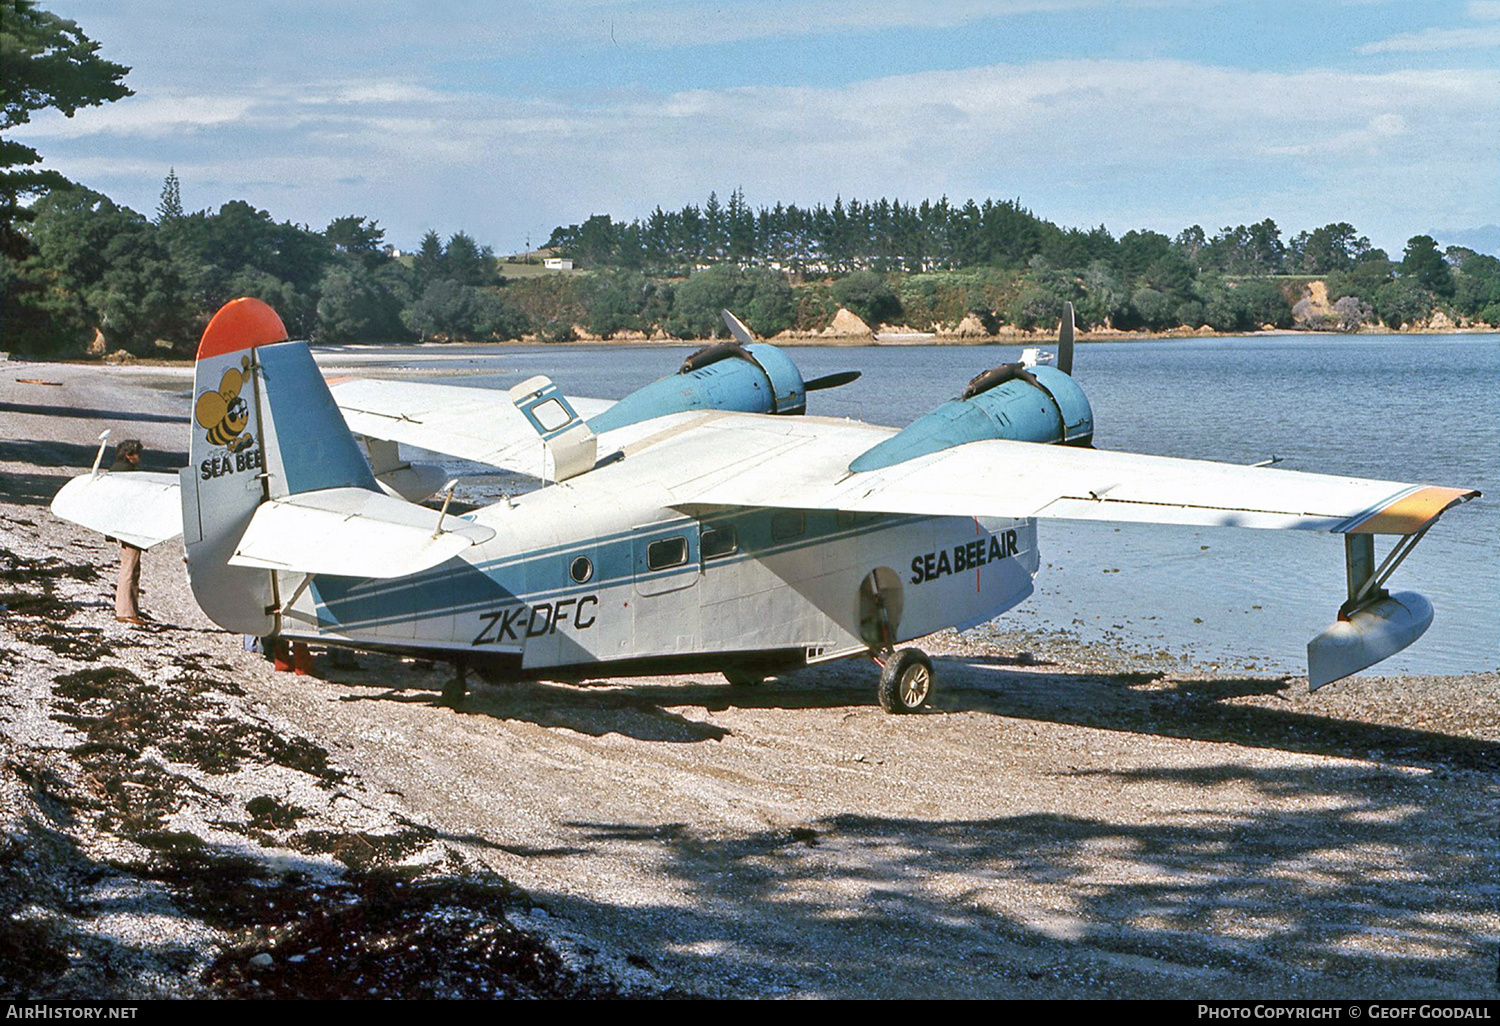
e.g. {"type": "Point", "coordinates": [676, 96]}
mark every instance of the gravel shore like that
{"type": "Point", "coordinates": [176, 819]}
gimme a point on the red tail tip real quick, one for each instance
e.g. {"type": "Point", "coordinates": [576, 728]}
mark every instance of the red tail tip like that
{"type": "Point", "coordinates": [241, 324]}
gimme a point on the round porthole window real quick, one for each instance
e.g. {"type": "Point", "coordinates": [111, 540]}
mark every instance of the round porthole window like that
{"type": "Point", "coordinates": [581, 570]}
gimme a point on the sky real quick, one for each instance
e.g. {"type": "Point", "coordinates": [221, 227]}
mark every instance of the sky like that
{"type": "Point", "coordinates": [505, 120]}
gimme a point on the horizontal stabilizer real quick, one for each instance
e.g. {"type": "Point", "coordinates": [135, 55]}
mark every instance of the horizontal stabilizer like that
{"type": "Point", "coordinates": [1371, 634]}
{"type": "Point", "coordinates": [138, 507]}
{"type": "Point", "coordinates": [352, 532]}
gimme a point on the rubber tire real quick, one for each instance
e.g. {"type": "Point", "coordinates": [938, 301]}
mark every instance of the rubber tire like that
{"type": "Point", "coordinates": [454, 692]}
{"type": "Point", "coordinates": [899, 679]}
{"type": "Point", "coordinates": [744, 678]}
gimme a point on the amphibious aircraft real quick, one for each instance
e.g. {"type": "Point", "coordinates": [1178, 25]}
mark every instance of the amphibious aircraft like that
{"type": "Point", "coordinates": [705, 522]}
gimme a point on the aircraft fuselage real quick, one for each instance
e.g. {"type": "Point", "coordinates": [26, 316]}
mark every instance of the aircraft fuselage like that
{"type": "Point", "coordinates": [597, 577]}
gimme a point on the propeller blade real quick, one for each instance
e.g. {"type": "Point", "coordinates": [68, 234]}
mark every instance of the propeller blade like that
{"type": "Point", "coordinates": [830, 380]}
{"type": "Point", "coordinates": [738, 330]}
{"type": "Point", "coordinates": [1065, 341]}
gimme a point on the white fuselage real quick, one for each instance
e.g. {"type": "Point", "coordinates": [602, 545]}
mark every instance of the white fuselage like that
{"type": "Point", "coordinates": [598, 575]}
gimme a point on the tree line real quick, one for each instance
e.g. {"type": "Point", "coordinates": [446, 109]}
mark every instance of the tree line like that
{"type": "Point", "coordinates": [89, 267]}
{"type": "Point", "coordinates": [1002, 263]}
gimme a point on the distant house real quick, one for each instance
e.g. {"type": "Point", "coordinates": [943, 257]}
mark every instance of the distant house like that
{"type": "Point", "coordinates": [558, 264]}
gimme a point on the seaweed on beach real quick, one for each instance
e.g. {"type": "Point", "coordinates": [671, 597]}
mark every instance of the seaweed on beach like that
{"type": "Point", "coordinates": [269, 813]}
{"type": "Point", "coordinates": [197, 677]}
{"type": "Point", "coordinates": [385, 933]}
{"type": "Point", "coordinates": [361, 850]}
{"type": "Point", "coordinates": [119, 714]}
{"type": "Point", "coordinates": [42, 573]}
{"type": "Point", "coordinates": [97, 682]}
{"type": "Point", "coordinates": [28, 604]}
{"type": "Point", "coordinates": [84, 644]}
{"type": "Point", "coordinates": [18, 569]}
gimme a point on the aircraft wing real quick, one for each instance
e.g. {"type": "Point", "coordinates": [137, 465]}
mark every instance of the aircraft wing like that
{"type": "Point", "coordinates": [478, 424]}
{"type": "Point", "coordinates": [140, 508]}
{"type": "Point", "coordinates": [1027, 479]}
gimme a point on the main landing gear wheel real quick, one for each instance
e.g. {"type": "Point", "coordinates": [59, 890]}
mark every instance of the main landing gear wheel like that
{"type": "Point", "coordinates": [743, 678]}
{"type": "Point", "coordinates": [905, 681]}
{"type": "Point", "coordinates": [457, 689]}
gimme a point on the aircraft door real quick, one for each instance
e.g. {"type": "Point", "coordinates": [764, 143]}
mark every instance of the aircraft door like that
{"type": "Point", "coordinates": [667, 557]}
{"type": "Point", "coordinates": [668, 565]}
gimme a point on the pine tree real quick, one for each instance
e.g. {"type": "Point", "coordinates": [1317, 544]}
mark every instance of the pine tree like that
{"type": "Point", "coordinates": [170, 207]}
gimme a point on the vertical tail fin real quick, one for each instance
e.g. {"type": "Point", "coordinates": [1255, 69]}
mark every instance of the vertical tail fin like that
{"type": "Point", "coordinates": [264, 426]}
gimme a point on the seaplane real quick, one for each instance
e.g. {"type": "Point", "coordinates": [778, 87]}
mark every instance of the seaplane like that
{"type": "Point", "coordinates": [703, 523]}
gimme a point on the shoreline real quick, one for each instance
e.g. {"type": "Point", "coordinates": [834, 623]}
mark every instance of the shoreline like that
{"type": "Point", "coordinates": [1019, 339]}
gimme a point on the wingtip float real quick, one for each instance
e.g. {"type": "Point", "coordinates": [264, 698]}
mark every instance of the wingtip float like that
{"type": "Point", "coordinates": [702, 523]}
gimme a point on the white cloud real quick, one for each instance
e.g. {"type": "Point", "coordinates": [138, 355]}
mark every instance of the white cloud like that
{"type": "Point", "coordinates": [1436, 39]}
{"type": "Point", "coordinates": [145, 116]}
{"type": "Point", "coordinates": [1153, 143]}
{"type": "Point", "coordinates": [1484, 10]}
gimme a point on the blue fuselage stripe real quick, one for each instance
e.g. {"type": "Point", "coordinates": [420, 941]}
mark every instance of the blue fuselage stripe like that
{"type": "Point", "coordinates": [364, 604]}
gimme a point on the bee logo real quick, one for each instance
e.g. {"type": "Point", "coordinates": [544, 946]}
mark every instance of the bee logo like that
{"type": "Point", "coordinates": [225, 413]}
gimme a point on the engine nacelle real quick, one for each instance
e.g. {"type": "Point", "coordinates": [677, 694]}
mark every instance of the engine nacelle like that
{"type": "Point", "coordinates": [1024, 404]}
{"type": "Point", "coordinates": [757, 378]}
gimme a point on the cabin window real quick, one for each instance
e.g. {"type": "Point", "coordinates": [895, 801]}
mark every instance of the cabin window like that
{"type": "Point", "coordinates": [669, 552]}
{"type": "Point", "coordinates": [718, 542]}
{"type": "Point", "coordinates": [581, 570]}
{"type": "Point", "coordinates": [792, 524]}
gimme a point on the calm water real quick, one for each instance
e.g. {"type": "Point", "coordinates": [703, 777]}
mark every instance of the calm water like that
{"type": "Point", "coordinates": [1413, 408]}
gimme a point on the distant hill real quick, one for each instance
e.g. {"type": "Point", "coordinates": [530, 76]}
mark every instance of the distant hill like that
{"type": "Point", "coordinates": [1484, 239]}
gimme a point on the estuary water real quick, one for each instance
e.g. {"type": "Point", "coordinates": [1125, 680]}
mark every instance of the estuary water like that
{"type": "Point", "coordinates": [1418, 408]}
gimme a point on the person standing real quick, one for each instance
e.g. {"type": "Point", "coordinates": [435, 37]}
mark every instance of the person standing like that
{"type": "Point", "coordinates": [128, 584]}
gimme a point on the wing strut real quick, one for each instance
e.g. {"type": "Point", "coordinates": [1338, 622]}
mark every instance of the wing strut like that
{"type": "Point", "coordinates": [1367, 584]}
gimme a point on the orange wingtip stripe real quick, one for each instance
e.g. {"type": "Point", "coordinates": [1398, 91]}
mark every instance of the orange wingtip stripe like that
{"type": "Point", "coordinates": [240, 324]}
{"type": "Point", "coordinates": [1410, 513]}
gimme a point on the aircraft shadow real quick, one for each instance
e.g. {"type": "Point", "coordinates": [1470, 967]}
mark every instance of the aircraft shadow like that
{"type": "Point", "coordinates": [594, 713]}
{"type": "Point", "coordinates": [591, 711]}
{"type": "Point", "coordinates": [80, 457]}
{"type": "Point", "coordinates": [1197, 710]}
{"type": "Point", "coordinates": [1191, 709]}
{"type": "Point", "coordinates": [30, 489]}
{"type": "Point", "coordinates": [93, 414]}
{"type": "Point", "coordinates": [1136, 702]}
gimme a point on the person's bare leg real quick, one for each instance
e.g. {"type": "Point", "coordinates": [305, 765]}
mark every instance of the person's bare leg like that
{"type": "Point", "coordinates": [127, 585]}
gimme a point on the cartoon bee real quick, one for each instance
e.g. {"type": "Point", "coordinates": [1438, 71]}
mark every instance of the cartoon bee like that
{"type": "Point", "coordinates": [224, 413]}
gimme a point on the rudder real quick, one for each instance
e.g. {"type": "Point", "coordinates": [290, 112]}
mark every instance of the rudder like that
{"type": "Point", "coordinates": [264, 426]}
